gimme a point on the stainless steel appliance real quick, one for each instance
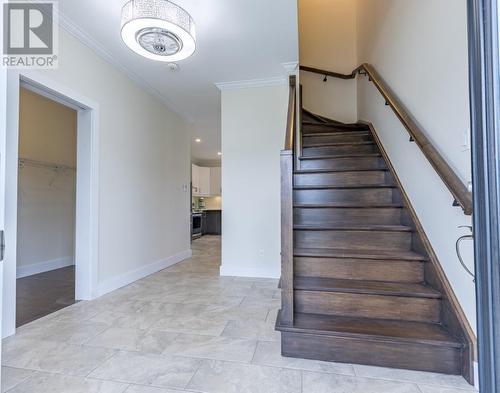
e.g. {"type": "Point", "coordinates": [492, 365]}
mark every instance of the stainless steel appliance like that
{"type": "Point", "coordinates": [196, 225]}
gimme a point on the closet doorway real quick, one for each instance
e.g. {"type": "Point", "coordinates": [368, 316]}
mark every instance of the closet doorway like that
{"type": "Point", "coordinates": [46, 207]}
{"type": "Point", "coordinates": [86, 222]}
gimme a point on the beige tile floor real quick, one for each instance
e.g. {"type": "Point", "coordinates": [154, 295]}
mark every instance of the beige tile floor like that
{"type": "Point", "coordinates": [185, 329]}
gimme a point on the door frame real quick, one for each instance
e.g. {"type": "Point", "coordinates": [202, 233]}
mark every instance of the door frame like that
{"type": "Point", "coordinates": [3, 134]}
{"type": "Point", "coordinates": [87, 187]}
{"type": "Point", "coordinates": [484, 66]}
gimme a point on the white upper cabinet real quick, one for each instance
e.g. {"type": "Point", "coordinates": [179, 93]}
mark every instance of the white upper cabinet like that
{"type": "Point", "coordinates": [195, 179]}
{"type": "Point", "coordinates": [215, 181]}
{"type": "Point", "coordinates": [206, 181]}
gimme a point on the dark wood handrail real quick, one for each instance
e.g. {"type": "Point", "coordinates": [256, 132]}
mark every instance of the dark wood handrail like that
{"type": "Point", "coordinates": [292, 114]}
{"type": "Point", "coordinates": [463, 197]}
{"type": "Point", "coordinates": [329, 73]}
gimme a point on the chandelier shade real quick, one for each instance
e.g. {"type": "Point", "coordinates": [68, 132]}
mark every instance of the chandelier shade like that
{"type": "Point", "coordinates": [158, 30]}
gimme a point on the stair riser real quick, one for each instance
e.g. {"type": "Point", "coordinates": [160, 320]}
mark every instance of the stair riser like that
{"type": "Point", "coordinates": [341, 149]}
{"type": "Point", "coordinates": [360, 269]}
{"type": "Point", "coordinates": [359, 240]}
{"type": "Point", "coordinates": [345, 163]}
{"type": "Point", "coordinates": [367, 306]}
{"type": "Point", "coordinates": [340, 138]}
{"type": "Point", "coordinates": [369, 195]}
{"type": "Point", "coordinates": [431, 358]}
{"type": "Point", "coordinates": [315, 129]}
{"type": "Point", "coordinates": [377, 216]}
{"type": "Point", "coordinates": [341, 178]}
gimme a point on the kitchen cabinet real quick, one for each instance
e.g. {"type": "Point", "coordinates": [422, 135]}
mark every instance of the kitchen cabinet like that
{"type": "Point", "coordinates": [212, 222]}
{"type": "Point", "coordinates": [215, 181]}
{"type": "Point", "coordinates": [206, 181]}
{"type": "Point", "coordinates": [195, 179]}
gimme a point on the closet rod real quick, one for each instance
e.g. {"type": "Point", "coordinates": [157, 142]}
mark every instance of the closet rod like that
{"type": "Point", "coordinates": [44, 164]}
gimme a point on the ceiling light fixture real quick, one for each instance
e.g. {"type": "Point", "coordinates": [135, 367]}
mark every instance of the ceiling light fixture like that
{"type": "Point", "coordinates": [158, 30]}
{"type": "Point", "coordinates": [197, 140]}
{"type": "Point", "coordinates": [219, 153]}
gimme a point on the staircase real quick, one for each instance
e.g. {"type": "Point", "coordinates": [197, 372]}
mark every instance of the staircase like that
{"type": "Point", "coordinates": [359, 282]}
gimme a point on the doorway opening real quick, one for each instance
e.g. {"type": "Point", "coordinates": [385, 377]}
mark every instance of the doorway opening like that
{"type": "Point", "coordinates": [56, 197]}
{"type": "Point", "coordinates": [46, 207]}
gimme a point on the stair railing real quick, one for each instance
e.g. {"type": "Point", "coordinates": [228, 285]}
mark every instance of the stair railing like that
{"type": "Point", "coordinates": [461, 194]}
{"type": "Point", "coordinates": [287, 167]}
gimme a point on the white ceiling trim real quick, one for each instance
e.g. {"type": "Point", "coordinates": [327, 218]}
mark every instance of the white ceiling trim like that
{"type": "Point", "coordinates": [291, 67]}
{"type": "Point", "coordinates": [88, 41]}
{"type": "Point", "coordinates": [245, 84]}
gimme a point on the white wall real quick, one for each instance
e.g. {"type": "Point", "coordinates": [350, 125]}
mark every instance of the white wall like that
{"type": "Point", "coordinates": [253, 129]}
{"type": "Point", "coordinates": [328, 41]}
{"type": "Point", "coordinates": [46, 197]}
{"type": "Point", "coordinates": [144, 169]}
{"type": "Point", "coordinates": [420, 49]}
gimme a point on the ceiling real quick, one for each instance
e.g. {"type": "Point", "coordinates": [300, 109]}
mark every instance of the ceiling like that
{"type": "Point", "coordinates": [236, 40]}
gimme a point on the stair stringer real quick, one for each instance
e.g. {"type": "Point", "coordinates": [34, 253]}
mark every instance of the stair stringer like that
{"type": "Point", "coordinates": [452, 315]}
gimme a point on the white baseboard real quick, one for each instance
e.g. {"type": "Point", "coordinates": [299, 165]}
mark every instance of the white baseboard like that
{"type": "Point", "coordinates": [233, 271]}
{"type": "Point", "coordinates": [42, 267]}
{"type": "Point", "coordinates": [122, 280]}
{"type": "Point", "coordinates": [476, 375]}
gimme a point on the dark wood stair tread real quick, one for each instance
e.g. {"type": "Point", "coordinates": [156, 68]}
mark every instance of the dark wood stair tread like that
{"type": "Point", "coordinates": [333, 144]}
{"type": "Point", "coordinates": [314, 171]}
{"type": "Point", "coordinates": [348, 205]}
{"type": "Point", "coordinates": [342, 155]}
{"type": "Point", "coordinates": [372, 329]}
{"type": "Point", "coordinates": [359, 254]}
{"type": "Point", "coordinates": [346, 227]}
{"type": "Point", "coordinates": [337, 133]}
{"type": "Point", "coordinates": [343, 126]}
{"type": "Point", "coordinates": [365, 287]}
{"type": "Point", "coordinates": [353, 186]}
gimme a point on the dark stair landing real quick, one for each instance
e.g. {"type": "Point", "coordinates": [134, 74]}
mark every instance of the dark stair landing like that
{"type": "Point", "coordinates": [360, 294]}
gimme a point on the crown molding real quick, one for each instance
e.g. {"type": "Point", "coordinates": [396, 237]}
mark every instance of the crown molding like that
{"type": "Point", "coordinates": [70, 27]}
{"type": "Point", "coordinates": [291, 67]}
{"type": "Point", "coordinates": [245, 84]}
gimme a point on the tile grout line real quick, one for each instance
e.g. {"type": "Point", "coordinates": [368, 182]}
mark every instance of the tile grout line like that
{"type": "Point", "coordinates": [254, 352]}
{"type": "Point", "coordinates": [24, 380]}
{"type": "Point", "coordinates": [411, 382]}
{"type": "Point", "coordinates": [103, 362]}
{"type": "Point", "coordinates": [192, 376]}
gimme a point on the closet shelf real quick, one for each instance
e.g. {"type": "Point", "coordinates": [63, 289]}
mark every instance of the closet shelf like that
{"type": "Point", "coordinates": [44, 164]}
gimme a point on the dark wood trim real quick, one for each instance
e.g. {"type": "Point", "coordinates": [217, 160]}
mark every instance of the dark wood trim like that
{"type": "Point", "coordinates": [370, 351]}
{"type": "Point", "coordinates": [316, 117]}
{"type": "Point", "coordinates": [298, 137]}
{"type": "Point", "coordinates": [452, 313]}
{"type": "Point", "coordinates": [484, 71]}
{"type": "Point", "coordinates": [329, 73]}
{"type": "Point", "coordinates": [287, 283]}
{"type": "Point", "coordinates": [458, 189]}
{"type": "Point", "coordinates": [291, 120]}
{"type": "Point", "coordinates": [293, 144]}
